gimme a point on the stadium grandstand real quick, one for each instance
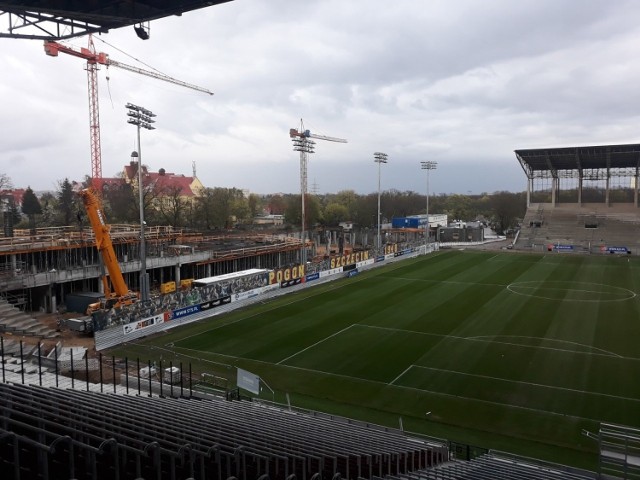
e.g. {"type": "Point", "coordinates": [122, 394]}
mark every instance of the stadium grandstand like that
{"type": "Point", "coordinates": [582, 199]}
{"type": "Point", "coordinates": [56, 428]}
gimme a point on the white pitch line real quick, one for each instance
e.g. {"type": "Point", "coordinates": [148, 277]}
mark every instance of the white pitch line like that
{"type": "Point", "coordinates": [531, 384]}
{"type": "Point", "coordinates": [415, 389]}
{"type": "Point", "coordinates": [549, 340]}
{"type": "Point", "coordinates": [402, 374]}
{"type": "Point", "coordinates": [476, 339]}
{"type": "Point", "coordinates": [317, 343]}
{"type": "Point", "coordinates": [452, 282]}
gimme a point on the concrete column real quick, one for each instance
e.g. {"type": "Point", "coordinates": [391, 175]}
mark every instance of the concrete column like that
{"type": "Point", "coordinates": [606, 193]}
{"type": "Point", "coordinates": [177, 270]}
{"type": "Point", "coordinates": [53, 303]}
{"type": "Point", "coordinates": [580, 191]}
{"type": "Point", "coordinates": [553, 191]}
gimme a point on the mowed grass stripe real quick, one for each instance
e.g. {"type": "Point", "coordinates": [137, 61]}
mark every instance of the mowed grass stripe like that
{"type": "Point", "coordinates": [384, 354]}
{"type": "Point", "coordinates": [461, 318]}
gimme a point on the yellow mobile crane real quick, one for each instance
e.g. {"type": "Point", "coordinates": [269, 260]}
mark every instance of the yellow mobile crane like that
{"type": "Point", "coordinates": [120, 294]}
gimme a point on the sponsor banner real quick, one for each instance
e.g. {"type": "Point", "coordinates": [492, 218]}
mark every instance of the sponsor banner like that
{"type": "Point", "coordinates": [289, 283]}
{"type": "Point", "coordinates": [249, 381]}
{"type": "Point", "coordinates": [398, 254]}
{"type": "Point", "coordinates": [184, 312]}
{"type": "Point", "coordinates": [367, 262]}
{"type": "Point", "coordinates": [352, 273]}
{"type": "Point", "coordinates": [248, 294]}
{"type": "Point", "coordinates": [616, 249]}
{"type": "Point", "coordinates": [328, 273]}
{"type": "Point", "coordinates": [407, 251]}
{"type": "Point", "coordinates": [215, 303]}
{"type": "Point", "coordinates": [142, 324]}
{"type": "Point", "coordinates": [286, 274]}
{"type": "Point", "coordinates": [311, 277]}
{"type": "Point", "coordinates": [349, 259]}
{"type": "Point", "coordinates": [382, 258]}
{"type": "Point", "coordinates": [560, 248]}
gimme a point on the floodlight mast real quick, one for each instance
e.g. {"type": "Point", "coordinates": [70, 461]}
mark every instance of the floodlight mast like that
{"type": "Point", "coordinates": [379, 158]}
{"type": "Point", "coordinates": [141, 118]}
{"type": "Point", "coordinates": [302, 143]}
{"type": "Point", "coordinates": [428, 166]}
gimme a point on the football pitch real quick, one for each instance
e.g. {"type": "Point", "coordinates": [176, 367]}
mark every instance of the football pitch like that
{"type": "Point", "coordinates": [518, 352]}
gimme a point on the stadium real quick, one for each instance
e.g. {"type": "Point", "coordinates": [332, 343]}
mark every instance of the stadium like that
{"type": "Point", "coordinates": [413, 363]}
{"type": "Point", "coordinates": [414, 360]}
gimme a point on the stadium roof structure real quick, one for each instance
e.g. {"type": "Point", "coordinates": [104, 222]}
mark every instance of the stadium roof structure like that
{"type": "Point", "coordinates": [61, 19]}
{"type": "Point", "coordinates": [575, 165]}
{"type": "Point", "coordinates": [544, 162]}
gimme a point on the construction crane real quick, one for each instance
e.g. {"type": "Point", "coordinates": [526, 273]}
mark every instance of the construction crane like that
{"type": "Point", "coordinates": [302, 143]}
{"type": "Point", "coordinates": [119, 294]}
{"type": "Point", "coordinates": [94, 59]}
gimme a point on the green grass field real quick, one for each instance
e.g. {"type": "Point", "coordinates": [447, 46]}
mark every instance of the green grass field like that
{"type": "Point", "coordinates": [502, 350]}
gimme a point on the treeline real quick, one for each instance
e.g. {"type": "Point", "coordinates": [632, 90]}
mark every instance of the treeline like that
{"type": "Point", "coordinates": [225, 208]}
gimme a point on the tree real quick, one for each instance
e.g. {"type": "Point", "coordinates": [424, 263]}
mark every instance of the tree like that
{"type": "Point", "coordinates": [218, 206]}
{"type": "Point", "coordinates": [293, 211]}
{"type": "Point", "coordinates": [171, 205]}
{"type": "Point", "coordinates": [254, 205]}
{"type": "Point", "coordinates": [66, 202]}
{"type": "Point", "coordinates": [347, 198]}
{"type": "Point", "coordinates": [276, 204]}
{"type": "Point", "coordinates": [31, 207]}
{"type": "Point", "coordinates": [334, 213]}
{"type": "Point", "coordinates": [507, 208]}
{"type": "Point", "coordinates": [240, 206]}
{"type": "Point", "coordinates": [49, 206]}
{"type": "Point", "coordinates": [458, 207]}
{"type": "Point", "coordinates": [5, 182]}
{"type": "Point", "coordinates": [121, 203]}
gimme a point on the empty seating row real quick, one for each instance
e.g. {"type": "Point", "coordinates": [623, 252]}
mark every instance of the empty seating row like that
{"type": "Point", "coordinates": [56, 433]}
{"type": "Point", "coordinates": [499, 466]}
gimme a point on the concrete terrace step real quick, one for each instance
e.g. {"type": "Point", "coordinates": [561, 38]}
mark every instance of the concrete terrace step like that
{"type": "Point", "coordinates": [15, 320]}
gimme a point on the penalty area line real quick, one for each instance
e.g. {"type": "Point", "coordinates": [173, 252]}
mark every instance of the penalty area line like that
{"type": "Point", "coordinates": [315, 344]}
{"type": "Point", "coordinates": [401, 375]}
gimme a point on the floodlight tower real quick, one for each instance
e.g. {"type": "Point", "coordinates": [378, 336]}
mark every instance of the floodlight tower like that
{"type": "Point", "coordinates": [141, 118]}
{"type": "Point", "coordinates": [379, 158]}
{"type": "Point", "coordinates": [302, 143]}
{"type": "Point", "coordinates": [428, 166]}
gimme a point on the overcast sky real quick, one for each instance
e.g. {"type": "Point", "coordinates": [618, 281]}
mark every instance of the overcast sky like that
{"type": "Point", "coordinates": [463, 83]}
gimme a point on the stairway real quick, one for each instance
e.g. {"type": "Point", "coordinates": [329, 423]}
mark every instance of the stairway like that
{"type": "Point", "coordinates": [15, 321]}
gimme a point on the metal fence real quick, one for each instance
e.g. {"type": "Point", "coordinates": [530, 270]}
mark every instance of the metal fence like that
{"type": "Point", "coordinates": [31, 363]}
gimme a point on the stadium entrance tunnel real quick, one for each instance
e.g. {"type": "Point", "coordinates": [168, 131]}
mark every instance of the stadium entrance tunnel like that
{"type": "Point", "coordinates": [571, 291]}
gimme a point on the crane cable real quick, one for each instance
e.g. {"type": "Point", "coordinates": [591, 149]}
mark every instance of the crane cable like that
{"type": "Point", "coordinates": [131, 57]}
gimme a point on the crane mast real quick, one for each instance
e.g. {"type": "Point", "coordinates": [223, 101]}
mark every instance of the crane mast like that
{"type": "Point", "coordinates": [94, 59]}
{"type": "Point", "coordinates": [302, 143]}
{"type": "Point", "coordinates": [94, 118]}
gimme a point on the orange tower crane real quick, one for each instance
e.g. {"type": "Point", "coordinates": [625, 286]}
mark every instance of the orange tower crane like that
{"type": "Point", "coordinates": [94, 59]}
